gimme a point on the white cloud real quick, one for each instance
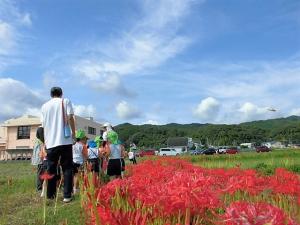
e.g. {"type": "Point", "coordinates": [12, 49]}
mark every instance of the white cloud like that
{"type": "Point", "coordinates": [126, 111]}
{"type": "Point", "coordinates": [26, 19]}
{"type": "Point", "coordinates": [150, 42]}
{"type": "Point", "coordinates": [49, 79]}
{"type": "Point", "coordinates": [295, 112]}
{"type": "Point", "coordinates": [7, 38]}
{"type": "Point", "coordinates": [250, 112]}
{"type": "Point", "coordinates": [12, 22]}
{"type": "Point", "coordinates": [17, 99]}
{"type": "Point", "coordinates": [207, 110]}
{"type": "Point", "coordinates": [85, 111]}
{"type": "Point", "coordinates": [106, 82]}
{"type": "Point", "coordinates": [33, 112]}
{"type": "Point", "coordinates": [151, 122]}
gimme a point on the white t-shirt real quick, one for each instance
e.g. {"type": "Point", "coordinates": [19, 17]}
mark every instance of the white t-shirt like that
{"type": "Point", "coordinates": [130, 155]}
{"type": "Point", "coordinates": [93, 153]}
{"type": "Point", "coordinates": [78, 153]}
{"type": "Point", "coordinates": [52, 121]}
{"type": "Point", "coordinates": [104, 136]}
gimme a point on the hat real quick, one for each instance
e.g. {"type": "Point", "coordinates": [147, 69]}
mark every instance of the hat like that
{"type": "Point", "coordinates": [92, 144]}
{"type": "Point", "coordinates": [112, 137]}
{"type": "Point", "coordinates": [106, 125]}
{"type": "Point", "coordinates": [80, 134]}
{"type": "Point", "coordinates": [98, 140]}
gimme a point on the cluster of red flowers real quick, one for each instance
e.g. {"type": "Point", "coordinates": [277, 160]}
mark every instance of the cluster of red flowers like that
{"type": "Point", "coordinates": [173, 191]}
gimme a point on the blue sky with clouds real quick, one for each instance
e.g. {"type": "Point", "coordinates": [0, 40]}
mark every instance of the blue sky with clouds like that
{"type": "Point", "coordinates": [152, 61]}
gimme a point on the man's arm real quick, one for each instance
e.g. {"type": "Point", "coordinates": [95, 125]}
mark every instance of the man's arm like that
{"type": "Point", "coordinates": [72, 125]}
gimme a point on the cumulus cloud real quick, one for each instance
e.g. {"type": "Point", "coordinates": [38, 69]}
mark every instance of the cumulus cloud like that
{"type": "Point", "coordinates": [12, 21]}
{"type": "Point", "coordinates": [207, 110]}
{"type": "Point", "coordinates": [251, 111]}
{"type": "Point", "coordinates": [106, 82]}
{"type": "Point", "coordinates": [147, 44]}
{"type": "Point", "coordinates": [126, 111]}
{"type": "Point", "coordinates": [85, 111]}
{"type": "Point", "coordinates": [18, 99]}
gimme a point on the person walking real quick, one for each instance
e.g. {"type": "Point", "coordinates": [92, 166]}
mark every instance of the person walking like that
{"type": "Point", "coordinates": [79, 157]}
{"type": "Point", "coordinates": [93, 156]}
{"type": "Point", "coordinates": [38, 157]}
{"type": "Point", "coordinates": [59, 131]}
{"type": "Point", "coordinates": [107, 127]}
{"type": "Point", "coordinates": [115, 152]}
{"type": "Point", "coordinates": [131, 157]}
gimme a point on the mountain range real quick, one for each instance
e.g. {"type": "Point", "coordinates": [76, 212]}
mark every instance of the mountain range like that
{"type": "Point", "coordinates": [155, 136]}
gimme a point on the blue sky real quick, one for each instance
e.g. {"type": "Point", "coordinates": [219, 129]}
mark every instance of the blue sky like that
{"type": "Point", "coordinates": [152, 62]}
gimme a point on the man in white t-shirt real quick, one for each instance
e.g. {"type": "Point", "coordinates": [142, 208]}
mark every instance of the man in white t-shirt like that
{"type": "Point", "coordinates": [57, 114]}
{"type": "Point", "coordinates": [107, 127]}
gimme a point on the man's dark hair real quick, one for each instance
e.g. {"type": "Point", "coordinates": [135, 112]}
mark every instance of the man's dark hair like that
{"type": "Point", "coordinates": [56, 92]}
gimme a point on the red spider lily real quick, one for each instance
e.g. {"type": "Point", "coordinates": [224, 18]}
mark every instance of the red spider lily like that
{"type": "Point", "coordinates": [172, 191]}
{"type": "Point", "coordinates": [244, 213]}
{"type": "Point", "coordinates": [46, 176]}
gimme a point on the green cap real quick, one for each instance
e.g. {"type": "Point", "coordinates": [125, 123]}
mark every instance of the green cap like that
{"type": "Point", "coordinates": [98, 140]}
{"type": "Point", "coordinates": [80, 134]}
{"type": "Point", "coordinates": [112, 137]}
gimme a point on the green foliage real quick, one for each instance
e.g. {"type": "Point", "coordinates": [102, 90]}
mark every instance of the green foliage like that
{"type": "Point", "coordinates": [21, 205]}
{"type": "Point", "coordinates": [151, 136]}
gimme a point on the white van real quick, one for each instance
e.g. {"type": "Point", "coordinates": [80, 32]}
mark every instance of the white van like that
{"type": "Point", "coordinates": [168, 152]}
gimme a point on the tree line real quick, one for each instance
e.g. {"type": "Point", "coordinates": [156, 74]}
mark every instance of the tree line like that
{"type": "Point", "coordinates": [286, 130]}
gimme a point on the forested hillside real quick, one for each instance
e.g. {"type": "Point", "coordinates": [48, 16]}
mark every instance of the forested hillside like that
{"type": "Point", "coordinates": [283, 129]}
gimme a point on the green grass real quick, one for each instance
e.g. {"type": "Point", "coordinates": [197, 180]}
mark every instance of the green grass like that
{"type": "Point", "coordinates": [20, 204]}
{"type": "Point", "coordinates": [265, 162]}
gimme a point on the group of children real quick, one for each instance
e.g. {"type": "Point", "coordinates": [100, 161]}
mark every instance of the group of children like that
{"type": "Point", "coordinates": [101, 154]}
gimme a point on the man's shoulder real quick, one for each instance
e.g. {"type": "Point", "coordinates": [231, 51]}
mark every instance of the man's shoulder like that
{"type": "Point", "coordinates": [46, 104]}
{"type": "Point", "coordinates": [67, 100]}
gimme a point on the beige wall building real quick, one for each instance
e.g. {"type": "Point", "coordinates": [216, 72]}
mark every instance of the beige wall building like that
{"type": "Point", "coordinates": [17, 136]}
{"type": "Point", "coordinates": [2, 138]}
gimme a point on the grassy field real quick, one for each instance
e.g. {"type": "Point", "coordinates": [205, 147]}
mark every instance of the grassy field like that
{"type": "Point", "coordinates": [20, 204]}
{"type": "Point", "coordinates": [265, 162]}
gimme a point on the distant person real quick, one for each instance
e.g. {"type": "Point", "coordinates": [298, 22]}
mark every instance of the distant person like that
{"type": "Point", "coordinates": [99, 142]}
{"type": "Point", "coordinates": [59, 129]}
{"type": "Point", "coordinates": [79, 156]}
{"type": "Point", "coordinates": [131, 156]}
{"type": "Point", "coordinates": [107, 127]}
{"type": "Point", "coordinates": [38, 156]}
{"type": "Point", "coordinates": [123, 165]}
{"type": "Point", "coordinates": [115, 152]}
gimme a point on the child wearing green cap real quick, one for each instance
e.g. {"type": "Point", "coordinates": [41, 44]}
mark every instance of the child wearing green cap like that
{"type": "Point", "coordinates": [79, 156]}
{"type": "Point", "coordinates": [115, 152]}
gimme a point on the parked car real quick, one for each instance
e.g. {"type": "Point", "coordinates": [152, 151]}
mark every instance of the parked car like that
{"type": "Point", "coordinates": [137, 153]}
{"type": "Point", "coordinates": [149, 152]}
{"type": "Point", "coordinates": [168, 152]}
{"type": "Point", "coordinates": [195, 152]}
{"type": "Point", "coordinates": [232, 150]}
{"type": "Point", "coordinates": [262, 149]}
{"type": "Point", "coordinates": [209, 151]}
{"type": "Point", "coordinates": [222, 150]}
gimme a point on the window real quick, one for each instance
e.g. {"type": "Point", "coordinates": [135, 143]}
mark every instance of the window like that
{"type": "Point", "coordinates": [24, 132]}
{"type": "Point", "coordinates": [92, 130]}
